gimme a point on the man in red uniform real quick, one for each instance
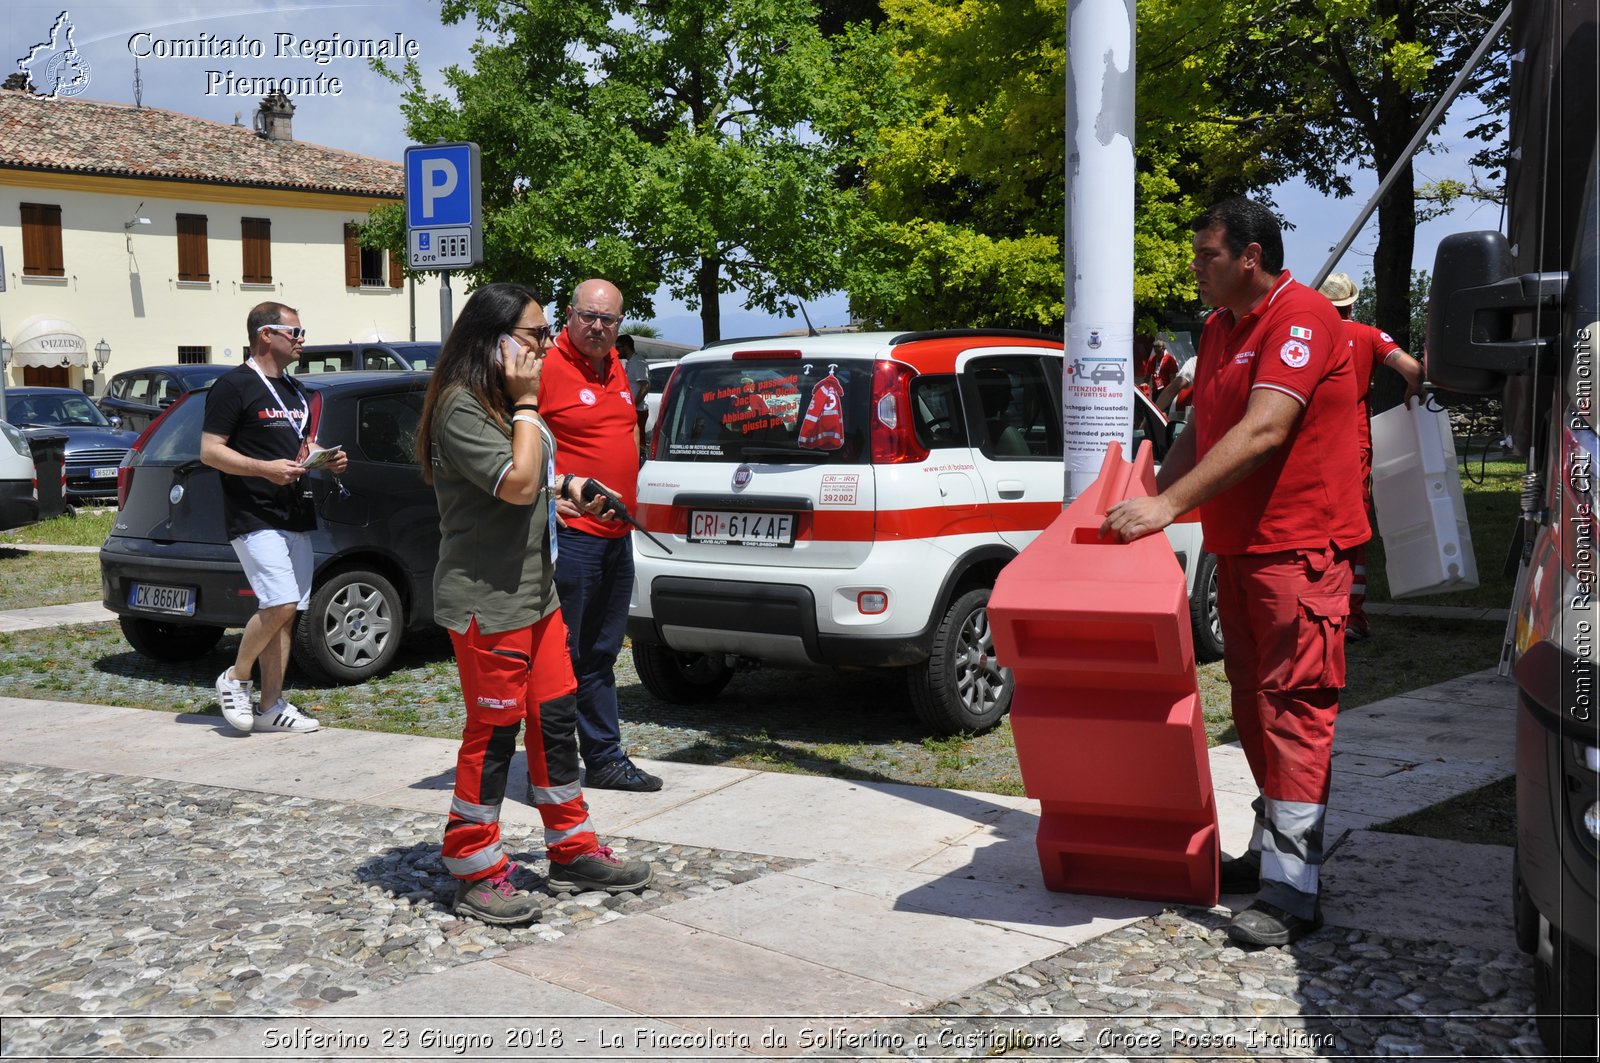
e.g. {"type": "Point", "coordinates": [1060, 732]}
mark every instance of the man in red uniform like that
{"type": "Point", "coordinates": [1369, 347]}
{"type": "Point", "coordinates": [1270, 461]}
{"type": "Point", "coordinates": [586, 400]}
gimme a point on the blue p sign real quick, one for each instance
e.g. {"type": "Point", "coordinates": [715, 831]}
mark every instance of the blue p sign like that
{"type": "Point", "coordinates": [441, 185]}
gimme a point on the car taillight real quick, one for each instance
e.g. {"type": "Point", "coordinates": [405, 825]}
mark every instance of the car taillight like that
{"type": "Point", "coordinates": [135, 453]}
{"type": "Point", "coordinates": [894, 440]}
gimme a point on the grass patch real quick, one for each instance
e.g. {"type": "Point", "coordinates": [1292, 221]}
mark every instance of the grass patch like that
{"type": "Point", "coordinates": [89, 527]}
{"type": "Point", "coordinates": [1487, 816]}
{"type": "Point", "coordinates": [1491, 491]}
{"type": "Point", "coordinates": [28, 579]}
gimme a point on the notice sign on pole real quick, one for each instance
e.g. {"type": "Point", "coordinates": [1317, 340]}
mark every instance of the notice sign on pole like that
{"type": "Point", "coordinates": [444, 211]}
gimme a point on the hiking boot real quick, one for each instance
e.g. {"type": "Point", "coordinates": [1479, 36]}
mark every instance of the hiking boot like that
{"type": "Point", "coordinates": [1267, 924]}
{"type": "Point", "coordinates": [1357, 634]}
{"type": "Point", "coordinates": [600, 870]}
{"type": "Point", "coordinates": [622, 774]}
{"type": "Point", "coordinates": [1242, 874]}
{"type": "Point", "coordinates": [234, 697]}
{"type": "Point", "coordinates": [496, 900]}
{"type": "Point", "coordinates": [284, 717]}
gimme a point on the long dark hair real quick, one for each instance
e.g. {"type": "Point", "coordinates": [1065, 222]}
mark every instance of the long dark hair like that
{"type": "Point", "coordinates": [470, 360]}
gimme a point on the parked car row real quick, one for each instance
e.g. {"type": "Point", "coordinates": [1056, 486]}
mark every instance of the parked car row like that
{"type": "Point", "coordinates": [94, 447]}
{"type": "Point", "coordinates": [845, 500]}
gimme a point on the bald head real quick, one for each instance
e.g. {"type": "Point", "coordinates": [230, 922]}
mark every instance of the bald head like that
{"type": "Point", "coordinates": [594, 317]}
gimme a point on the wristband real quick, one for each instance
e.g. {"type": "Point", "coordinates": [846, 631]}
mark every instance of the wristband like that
{"type": "Point", "coordinates": [525, 418]}
{"type": "Point", "coordinates": [534, 406]}
{"type": "Point", "coordinates": [566, 485]}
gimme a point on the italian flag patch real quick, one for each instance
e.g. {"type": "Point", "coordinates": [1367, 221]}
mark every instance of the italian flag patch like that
{"type": "Point", "coordinates": [1299, 333]}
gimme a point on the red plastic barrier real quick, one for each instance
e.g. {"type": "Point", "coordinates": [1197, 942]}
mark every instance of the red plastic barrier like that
{"type": "Point", "coordinates": [1106, 714]}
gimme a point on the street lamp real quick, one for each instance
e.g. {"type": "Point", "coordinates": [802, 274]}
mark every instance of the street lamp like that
{"type": "Point", "coordinates": [102, 355]}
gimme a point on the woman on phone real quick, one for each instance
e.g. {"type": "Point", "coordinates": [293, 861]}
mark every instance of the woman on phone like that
{"type": "Point", "coordinates": [489, 457]}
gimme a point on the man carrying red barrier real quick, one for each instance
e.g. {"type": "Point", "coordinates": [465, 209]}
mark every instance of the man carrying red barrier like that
{"type": "Point", "coordinates": [1271, 462]}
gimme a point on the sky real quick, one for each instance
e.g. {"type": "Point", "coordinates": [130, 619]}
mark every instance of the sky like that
{"type": "Point", "coordinates": [364, 115]}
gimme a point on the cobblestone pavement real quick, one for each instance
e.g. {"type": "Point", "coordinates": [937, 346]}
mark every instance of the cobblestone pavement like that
{"type": "Point", "coordinates": [142, 914]}
{"type": "Point", "coordinates": [149, 898]}
{"type": "Point", "coordinates": [1174, 987]}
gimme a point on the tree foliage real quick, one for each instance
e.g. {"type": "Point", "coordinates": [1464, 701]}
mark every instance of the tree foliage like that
{"type": "Point", "coordinates": [665, 141]}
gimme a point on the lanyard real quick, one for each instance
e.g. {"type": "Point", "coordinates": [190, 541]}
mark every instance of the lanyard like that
{"type": "Point", "coordinates": [305, 407]}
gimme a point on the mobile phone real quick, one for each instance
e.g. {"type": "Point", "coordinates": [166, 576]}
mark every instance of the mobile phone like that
{"type": "Point", "coordinates": [500, 345]}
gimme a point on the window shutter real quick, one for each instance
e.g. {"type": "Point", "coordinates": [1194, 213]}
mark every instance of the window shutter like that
{"type": "Point", "coordinates": [397, 275]}
{"type": "Point", "coordinates": [41, 241]}
{"type": "Point", "coordinates": [256, 237]}
{"type": "Point", "coordinates": [193, 264]}
{"type": "Point", "coordinates": [352, 258]}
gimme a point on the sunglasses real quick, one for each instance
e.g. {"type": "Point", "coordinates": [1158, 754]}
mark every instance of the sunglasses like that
{"type": "Point", "coordinates": [295, 332]}
{"type": "Point", "coordinates": [539, 333]}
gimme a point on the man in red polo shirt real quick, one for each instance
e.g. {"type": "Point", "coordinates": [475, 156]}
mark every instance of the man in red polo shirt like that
{"type": "Point", "coordinates": [1370, 347]}
{"type": "Point", "coordinates": [585, 398]}
{"type": "Point", "coordinates": [1271, 462]}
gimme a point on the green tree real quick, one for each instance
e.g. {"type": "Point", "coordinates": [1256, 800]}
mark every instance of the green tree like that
{"type": "Point", "coordinates": [1325, 86]}
{"type": "Point", "coordinates": [664, 141]}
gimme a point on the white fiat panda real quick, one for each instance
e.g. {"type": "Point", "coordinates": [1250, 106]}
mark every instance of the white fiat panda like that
{"type": "Point", "coordinates": [849, 500]}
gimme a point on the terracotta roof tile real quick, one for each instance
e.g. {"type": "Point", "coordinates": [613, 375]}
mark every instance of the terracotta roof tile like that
{"type": "Point", "coordinates": [90, 137]}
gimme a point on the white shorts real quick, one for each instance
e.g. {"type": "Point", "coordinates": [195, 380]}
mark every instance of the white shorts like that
{"type": "Point", "coordinates": [278, 565]}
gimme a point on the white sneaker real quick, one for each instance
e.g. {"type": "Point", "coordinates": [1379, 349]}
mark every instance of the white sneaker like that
{"type": "Point", "coordinates": [234, 697]}
{"type": "Point", "coordinates": [284, 717]}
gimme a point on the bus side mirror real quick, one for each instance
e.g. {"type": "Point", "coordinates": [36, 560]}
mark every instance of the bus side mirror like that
{"type": "Point", "coordinates": [1484, 323]}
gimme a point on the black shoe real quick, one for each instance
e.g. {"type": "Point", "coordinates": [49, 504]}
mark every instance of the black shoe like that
{"type": "Point", "coordinates": [622, 774]}
{"type": "Point", "coordinates": [1267, 924]}
{"type": "Point", "coordinates": [600, 869]}
{"type": "Point", "coordinates": [1242, 874]}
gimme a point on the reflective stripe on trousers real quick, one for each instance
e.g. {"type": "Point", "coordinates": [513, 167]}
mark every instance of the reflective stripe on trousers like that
{"type": "Point", "coordinates": [1283, 617]}
{"type": "Point", "coordinates": [508, 679]}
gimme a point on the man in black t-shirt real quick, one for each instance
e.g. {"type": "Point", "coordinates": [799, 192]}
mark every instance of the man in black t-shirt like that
{"type": "Point", "coordinates": [257, 434]}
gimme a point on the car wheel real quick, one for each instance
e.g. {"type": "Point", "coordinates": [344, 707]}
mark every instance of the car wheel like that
{"type": "Point", "coordinates": [352, 630]}
{"type": "Point", "coordinates": [1563, 996]}
{"type": "Point", "coordinates": [962, 688]}
{"type": "Point", "coordinates": [680, 678]}
{"type": "Point", "coordinates": [169, 642]}
{"type": "Point", "coordinates": [1203, 610]}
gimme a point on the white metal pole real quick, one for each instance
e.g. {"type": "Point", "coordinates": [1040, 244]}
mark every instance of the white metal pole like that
{"type": "Point", "coordinates": [1097, 381]}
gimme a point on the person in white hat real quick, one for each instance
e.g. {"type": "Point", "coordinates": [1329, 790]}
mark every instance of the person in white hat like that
{"type": "Point", "coordinates": [1369, 347]}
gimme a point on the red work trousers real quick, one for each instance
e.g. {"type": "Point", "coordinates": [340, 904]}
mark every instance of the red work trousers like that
{"type": "Point", "coordinates": [507, 678]}
{"type": "Point", "coordinates": [1283, 617]}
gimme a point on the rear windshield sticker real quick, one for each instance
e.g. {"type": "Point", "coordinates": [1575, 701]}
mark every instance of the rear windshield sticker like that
{"type": "Point", "coordinates": [755, 406]}
{"type": "Point", "coordinates": [839, 488]}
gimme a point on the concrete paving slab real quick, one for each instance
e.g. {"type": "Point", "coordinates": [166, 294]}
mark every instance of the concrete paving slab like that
{"type": "Point", "coordinates": [55, 616]}
{"type": "Point", "coordinates": [23, 716]}
{"type": "Point", "coordinates": [862, 934]}
{"type": "Point", "coordinates": [1002, 851]}
{"type": "Point", "coordinates": [813, 818]}
{"type": "Point", "coordinates": [621, 810]}
{"type": "Point", "coordinates": [1025, 907]}
{"type": "Point", "coordinates": [1486, 688]}
{"type": "Point", "coordinates": [712, 981]}
{"type": "Point", "coordinates": [1396, 795]}
{"type": "Point", "coordinates": [129, 741]}
{"type": "Point", "coordinates": [1421, 889]}
{"type": "Point", "coordinates": [1413, 729]}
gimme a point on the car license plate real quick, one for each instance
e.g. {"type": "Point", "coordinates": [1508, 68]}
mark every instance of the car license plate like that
{"type": "Point", "coordinates": [156, 599]}
{"type": "Point", "coordinates": [104, 472]}
{"type": "Point", "coordinates": [741, 529]}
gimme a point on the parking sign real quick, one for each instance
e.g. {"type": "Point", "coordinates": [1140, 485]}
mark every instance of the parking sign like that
{"type": "Point", "coordinates": [444, 212]}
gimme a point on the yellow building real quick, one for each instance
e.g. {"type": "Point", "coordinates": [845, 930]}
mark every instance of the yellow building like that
{"type": "Point", "coordinates": [151, 234]}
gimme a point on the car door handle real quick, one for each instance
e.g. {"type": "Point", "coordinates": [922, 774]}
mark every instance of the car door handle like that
{"type": "Point", "coordinates": [1011, 488]}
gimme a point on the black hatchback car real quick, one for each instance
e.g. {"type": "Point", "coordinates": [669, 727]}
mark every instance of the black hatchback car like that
{"type": "Point", "coordinates": [169, 573]}
{"type": "Point", "coordinates": [137, 396]}
{"type": "Point", "coordinates": [95, 447]}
